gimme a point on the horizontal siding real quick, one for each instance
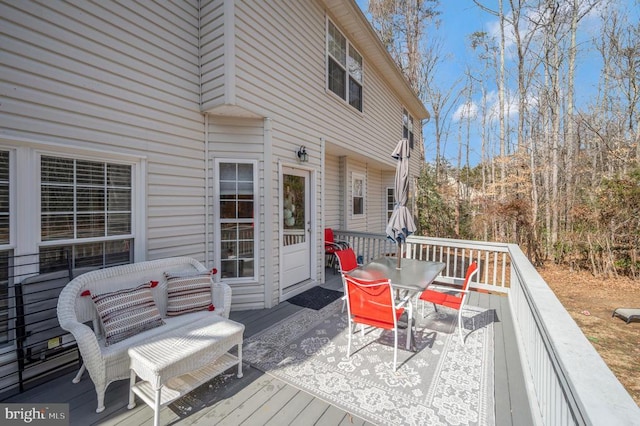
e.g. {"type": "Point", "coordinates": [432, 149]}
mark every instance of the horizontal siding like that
{"type": "Point", "coordinates": [118, 77]}
{"type": "Point", "coordinates": [212, 53]}
{"type": "Point", "coordinates": [375, 200]}
{"type": "Point", "coordinates": [336, 185]}
{"type": "Point", "coordinates": [240, 139]}
{"type": "Point", "coordinates": [287, 38]}
{"type": "Point", "coordinates": [332, 192]}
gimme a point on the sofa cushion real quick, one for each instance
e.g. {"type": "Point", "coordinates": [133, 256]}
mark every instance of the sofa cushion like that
{"type": "Point", "coordinates": [188, 293]}
{"type": "Point", "coordinates": [127, 312]}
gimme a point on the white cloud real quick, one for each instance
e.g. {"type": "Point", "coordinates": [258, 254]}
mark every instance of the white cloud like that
{"type": "Point", "coordinates": [494, 32]}
{"type": "Point", "coordinates": [466, 110]}
{"type": "Point", "coordinates": [510, 105]}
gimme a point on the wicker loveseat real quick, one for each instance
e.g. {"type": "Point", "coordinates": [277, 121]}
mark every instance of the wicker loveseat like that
{"type": "Point", "coordinates": [77, 314]}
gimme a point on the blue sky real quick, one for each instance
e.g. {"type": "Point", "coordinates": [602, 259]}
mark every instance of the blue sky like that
{"type": "Point", "coordinates": [460, 18]}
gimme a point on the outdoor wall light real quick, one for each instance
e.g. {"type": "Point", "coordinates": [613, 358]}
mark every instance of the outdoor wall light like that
{"type": "Point", "coordinates": [302, 154]}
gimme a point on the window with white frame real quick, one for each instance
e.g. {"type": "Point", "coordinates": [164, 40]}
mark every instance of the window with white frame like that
{"type": "Point", "coordinates": [390, 202]}
{"type": "Point", "coordinates": [357, 194]}
{"type": "Point", "coordinates": [5, 239]}
{"type": "Point", "coordinates": [344, 67]}
{"type": "Point", "coordinates": [236, 209]}
{"type": "Point", "coordinates": [407, 127]}
{"type": "Point", "coordinates": [85, 213]}
{"type": "Point", "coordinates": [82, 215]}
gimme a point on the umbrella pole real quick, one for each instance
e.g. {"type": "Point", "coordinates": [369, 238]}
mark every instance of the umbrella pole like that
{"type": "Point", "coordinates": [399, 254]}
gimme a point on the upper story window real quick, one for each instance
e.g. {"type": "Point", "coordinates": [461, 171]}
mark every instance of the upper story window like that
{"type": "Point", "coordinates": [407, 127]}
{"type": "Point", "coordinates": [344, 68]}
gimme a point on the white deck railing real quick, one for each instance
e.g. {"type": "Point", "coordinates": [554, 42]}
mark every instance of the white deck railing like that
{"type": "Point", "coordinates": [568, 383]}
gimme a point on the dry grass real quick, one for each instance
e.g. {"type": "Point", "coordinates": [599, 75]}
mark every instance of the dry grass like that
{"type": "Point", "coordinates": [590, 301]}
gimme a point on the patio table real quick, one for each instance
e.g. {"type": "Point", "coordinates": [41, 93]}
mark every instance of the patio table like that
{"type": "Point", "coordinates": [414, 275]}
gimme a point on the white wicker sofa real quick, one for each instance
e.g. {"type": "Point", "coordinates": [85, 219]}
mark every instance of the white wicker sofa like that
{"type": "Point", "coordinates": [108, 363]}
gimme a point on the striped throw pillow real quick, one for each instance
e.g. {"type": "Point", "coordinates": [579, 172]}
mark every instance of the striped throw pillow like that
{"type": "Point", "coordinates": [127, 312]}
{"type": "Point", "coordinates": [189, 293]}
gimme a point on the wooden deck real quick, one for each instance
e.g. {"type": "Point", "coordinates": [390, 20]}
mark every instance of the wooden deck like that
{"type": "Point", "coordinates": [259, 399]}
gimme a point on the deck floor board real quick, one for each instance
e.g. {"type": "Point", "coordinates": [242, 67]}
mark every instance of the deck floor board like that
{"type": "Point", "coordinates": [259, 399]}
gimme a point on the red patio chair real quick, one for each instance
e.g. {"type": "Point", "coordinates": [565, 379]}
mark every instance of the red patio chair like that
{"type": "Point", "coordinates": [331, 246]}
{"type": "Point", "coordinates": [371, 303]}
{"type": "Point", "coordinates": [347, 261]}
{"type": "Point", "coordinates": [451, 297]}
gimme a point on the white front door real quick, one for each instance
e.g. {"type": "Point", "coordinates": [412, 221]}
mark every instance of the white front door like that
{"type": "Point", "coordinates": [296, 226]}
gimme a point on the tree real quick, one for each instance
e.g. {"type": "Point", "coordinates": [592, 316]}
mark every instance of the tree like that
{"type": "Point", "coordinates": [439, 100]}
{"type": "Point", "coordinates": [401, 25]}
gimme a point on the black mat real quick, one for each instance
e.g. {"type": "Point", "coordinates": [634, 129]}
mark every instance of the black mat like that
{"type": "Point", "coordinates": [315, 298]}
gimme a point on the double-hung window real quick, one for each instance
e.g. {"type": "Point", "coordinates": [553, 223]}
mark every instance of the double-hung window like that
{"type": "Point", "coordinates": [5, 251]}
{"type": "Point", "coordinates": [80, 213]}
{"type": "Point", "coordinates": [237, 205]}
{"type": "Point", "coordinates": [407, 127]}
{"type": "Point", "coordinates": [344, 68]}
{"type": "Point", "coordinates": [390, 202]}
{"type": "Point", "coordinates": [85, 213]}
{"type": "Point", "coordinates": [357, 194]}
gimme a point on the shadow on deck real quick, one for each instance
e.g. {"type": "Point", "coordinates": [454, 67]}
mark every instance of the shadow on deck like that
{"type": "Point", "coordinates": [260, 399]}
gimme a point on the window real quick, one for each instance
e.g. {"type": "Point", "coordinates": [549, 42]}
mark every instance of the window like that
{"type": "Point", "coordinates": [407, 127]}
{"type": "Point", "coordinates": [80, 211]}
{"type": "Point", "coordinates": [237, 206]}
{"type": "Point", "coordinates": [5, 255]}
{"type": "Point", "coordinates": [5, 318]}
{"type": "Point", "coordinates": [357, 195]}
{"type": "Point", "coordinates": [390, 202]}
{"type": "Point", "coordinates": [344, 68]}
{"type": "Point", "coordinates": [85, 213]}
{"type": "Point", "coordinates": [4, 198]}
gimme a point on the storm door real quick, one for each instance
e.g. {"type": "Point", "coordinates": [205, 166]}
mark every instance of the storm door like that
{"type": "Point", "coordinates": [296, 228]}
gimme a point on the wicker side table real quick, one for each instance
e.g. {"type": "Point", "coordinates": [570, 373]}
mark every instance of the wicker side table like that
{"type": "Point", "coordinates": [174, 364]}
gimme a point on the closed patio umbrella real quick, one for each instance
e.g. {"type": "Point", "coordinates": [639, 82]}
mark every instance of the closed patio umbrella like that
{"type": "Point", "coordinates": [401, 223]}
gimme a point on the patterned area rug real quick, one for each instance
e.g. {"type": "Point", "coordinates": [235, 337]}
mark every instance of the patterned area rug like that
{"type": "Point", "coordinates": [442, 383]}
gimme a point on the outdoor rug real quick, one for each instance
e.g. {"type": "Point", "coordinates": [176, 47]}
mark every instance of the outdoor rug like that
{"type": "Point", "coordinates": [443, 383]}
{"type": "Point", "coordinates": [315, 298]}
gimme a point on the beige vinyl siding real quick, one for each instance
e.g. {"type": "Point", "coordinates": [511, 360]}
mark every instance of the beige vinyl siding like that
{"type": "Point", "coordinates": [375, 201]}
{"type": "Point", "coordinates": [241, 139]}
{"type": "Point", "coordinates": [280, 74]}
{"type": "Point", "coordinates": [333, 208]}
{"type": "Point", "coordinates": [120, 78]}
{"type": "Point", "coordinates": [374, 219]}
{"type": "Point", "coordinates": [289, 42]}
{"type": "Point", "coordinates": [212, 53]}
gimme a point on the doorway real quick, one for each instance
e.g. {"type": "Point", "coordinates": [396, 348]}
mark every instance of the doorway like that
{"type": "Point", "coordinates": [296, 229]}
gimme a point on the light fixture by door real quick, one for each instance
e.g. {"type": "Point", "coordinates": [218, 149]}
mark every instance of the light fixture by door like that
{"type": "Point", "coordinates": [302, 154]}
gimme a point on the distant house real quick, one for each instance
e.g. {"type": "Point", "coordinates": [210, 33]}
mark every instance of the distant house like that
{"type": "Point", "coordinates": [141, 130]}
